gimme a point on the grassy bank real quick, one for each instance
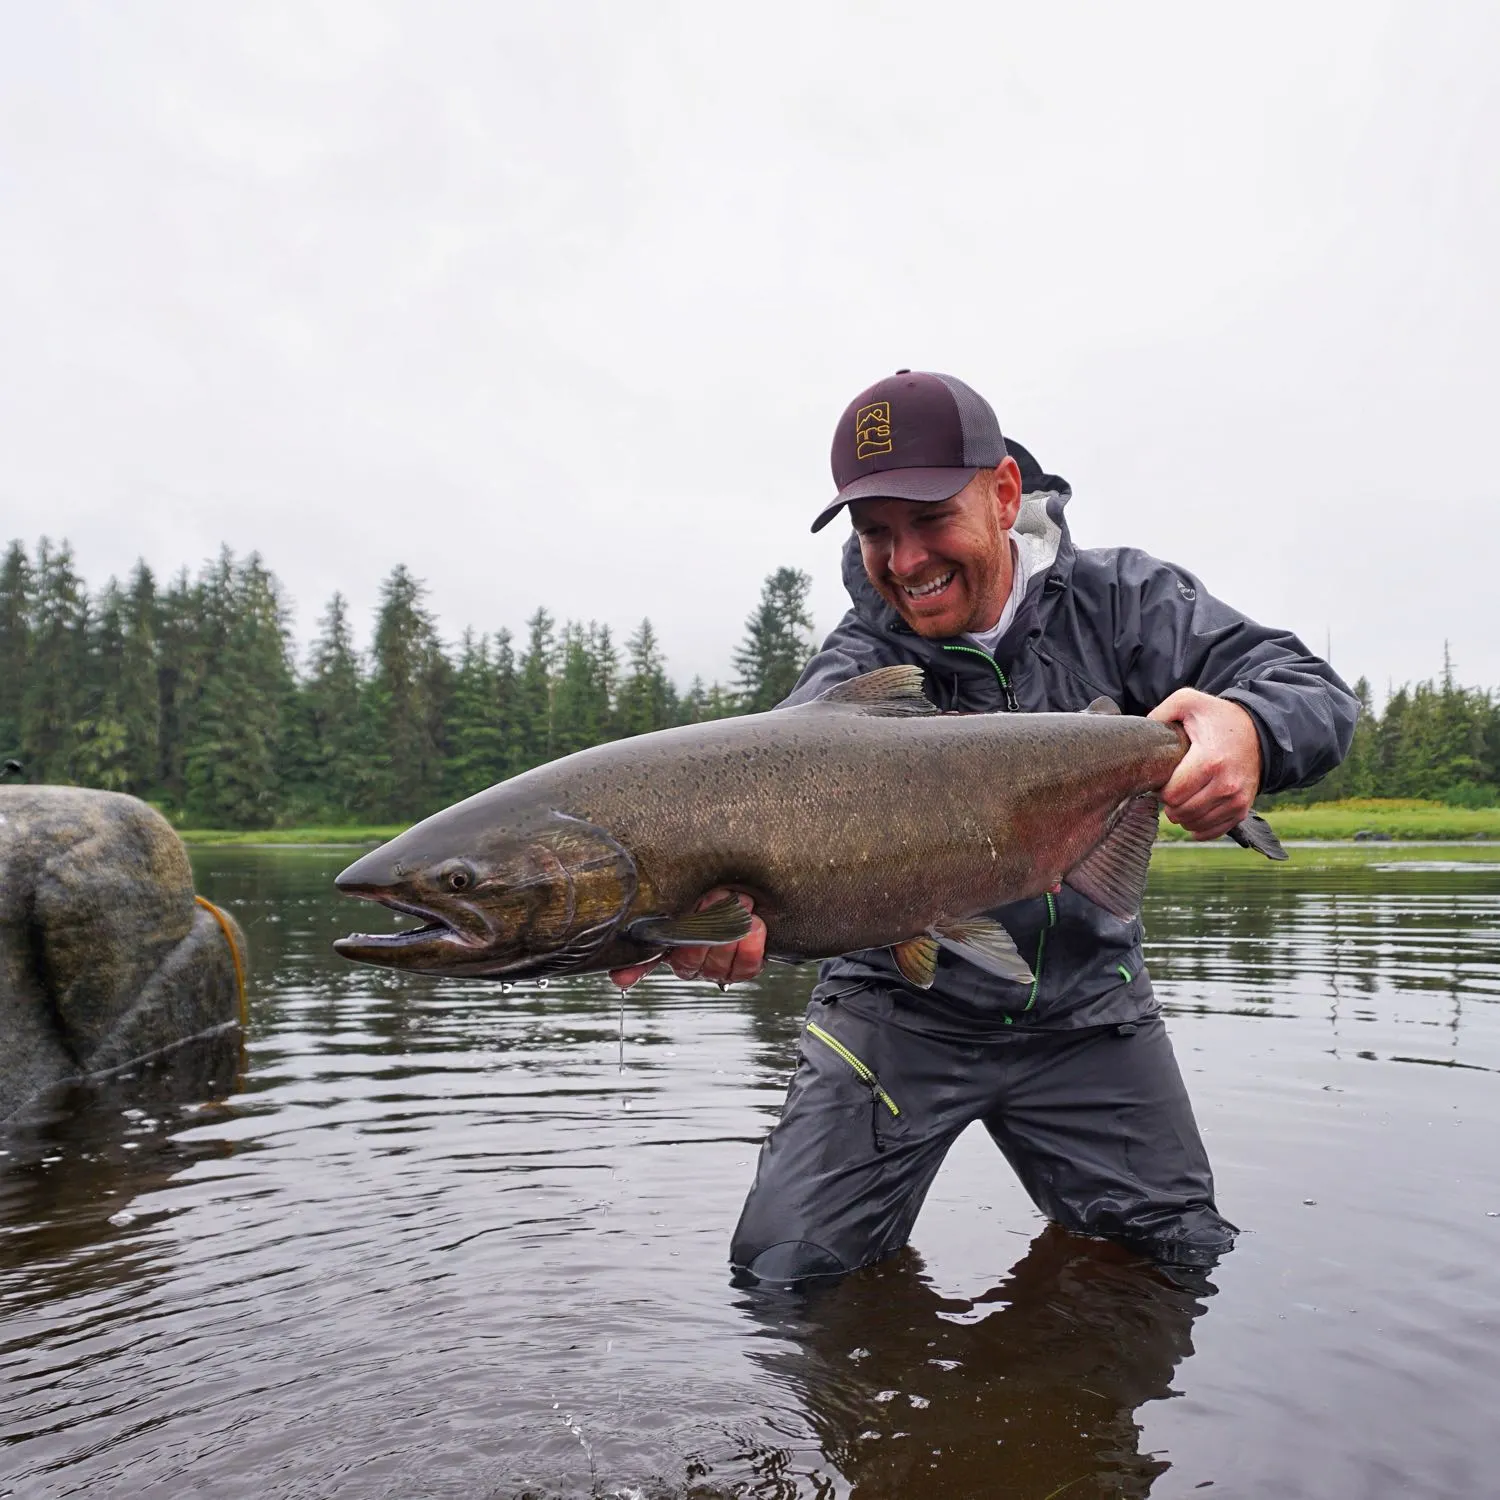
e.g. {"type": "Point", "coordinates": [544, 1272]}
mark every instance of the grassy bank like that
{"type": "Point", "coordinates": [359, 834]}
{"type": "Point", "coordinates": [1398, 818]}
{"type": "Point", "coordinates": [1395, 817]}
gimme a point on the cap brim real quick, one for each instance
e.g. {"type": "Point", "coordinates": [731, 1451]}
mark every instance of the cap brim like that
{"type": "Point", "coordinates": [898, 484]}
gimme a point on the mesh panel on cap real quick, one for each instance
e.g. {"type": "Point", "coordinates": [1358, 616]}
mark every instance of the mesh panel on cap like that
{"type": "Point", "coordinates": [983, 445]}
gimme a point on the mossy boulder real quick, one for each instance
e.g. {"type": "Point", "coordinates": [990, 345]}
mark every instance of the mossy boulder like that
{"type": "Point", "coordinates": [106, 957]}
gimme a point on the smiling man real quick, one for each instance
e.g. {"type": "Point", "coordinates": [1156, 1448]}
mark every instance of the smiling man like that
{"type": "Point", "coordinates": [960, 561]}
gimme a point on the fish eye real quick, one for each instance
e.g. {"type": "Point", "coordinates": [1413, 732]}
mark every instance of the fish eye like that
{"type": "Point", "coordinates": [457, 877]}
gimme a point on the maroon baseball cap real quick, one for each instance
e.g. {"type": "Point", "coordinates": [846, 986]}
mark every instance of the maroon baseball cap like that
{"type": "Point", "coordinates": [913, 436]}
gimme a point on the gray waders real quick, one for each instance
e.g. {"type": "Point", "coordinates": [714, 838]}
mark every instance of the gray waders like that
{"type": "Point", "coordinates": [1095, 1121]}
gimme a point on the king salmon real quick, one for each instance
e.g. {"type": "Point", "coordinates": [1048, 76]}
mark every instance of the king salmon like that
{"type": "Point", "coordinates": [864, 819]}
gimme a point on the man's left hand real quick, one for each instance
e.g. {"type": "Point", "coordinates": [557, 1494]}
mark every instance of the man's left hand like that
{"type": "Point", "coordinates": [1215, 783]}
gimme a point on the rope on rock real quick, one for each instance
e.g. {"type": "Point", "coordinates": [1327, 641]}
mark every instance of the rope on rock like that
{"type": "Point", "coordinates": [234, 953]}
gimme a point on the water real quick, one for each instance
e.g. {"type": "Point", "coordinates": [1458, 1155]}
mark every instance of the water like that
{"type": "Point", "coordinates": [429, 1239]}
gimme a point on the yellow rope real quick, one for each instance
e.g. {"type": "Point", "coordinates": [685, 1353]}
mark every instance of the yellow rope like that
{"type": "Point", "coordinates": [234, 953]}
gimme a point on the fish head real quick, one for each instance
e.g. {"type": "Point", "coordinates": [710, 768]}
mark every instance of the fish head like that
{"type": "Point", "coordinates": [513, 898]}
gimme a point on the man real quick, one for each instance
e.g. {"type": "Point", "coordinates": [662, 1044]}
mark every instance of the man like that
{"type": "Point", "coordinates": [961, 562]}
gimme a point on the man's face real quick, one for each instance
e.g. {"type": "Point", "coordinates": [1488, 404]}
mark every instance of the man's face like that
{"type": "Point", "coordinates": [944, 566]}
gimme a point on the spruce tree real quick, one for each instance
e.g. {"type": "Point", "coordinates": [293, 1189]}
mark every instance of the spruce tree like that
{"type": "Point", "coordinates": [335, 762]}
{"type": "Point", "coordinates": [777, 641]}
{"type": "Point", "coordinates": [647, 700]}
{"type": "Point", "coordinates": [15, 646]}
{"type": "Point", "coordinates": [101, 758]}
{"type": "Point", "coordinates": [533, 736]}
{"type": "Point", "coordinates": [406, 699]}
{"type": "Point", "coordinates": [54, 698]}
{"type": "Point", "coordinates": [182, 652]}
{"type": "Point", "coordinates": [479, 749]}
{"type": "Point", "coordinates": [139, 700]}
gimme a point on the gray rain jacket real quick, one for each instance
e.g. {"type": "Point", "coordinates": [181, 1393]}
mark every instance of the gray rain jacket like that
{"type": "Point", "coordinates": [1099, 622]}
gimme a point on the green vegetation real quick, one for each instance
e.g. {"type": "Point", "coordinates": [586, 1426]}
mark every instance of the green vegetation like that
{"type": "Point", "coordinates": [1392, 817]}
{"type": "Point", "coordinates": [192, 696]}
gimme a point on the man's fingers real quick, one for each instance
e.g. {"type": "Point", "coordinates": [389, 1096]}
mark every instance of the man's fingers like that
{"type": "Point", "coordinates": [1193, 774]}
{"type": "Point", "coordinates": [749, 956]}
{"type": "Point", "coordinates": [628, 976]}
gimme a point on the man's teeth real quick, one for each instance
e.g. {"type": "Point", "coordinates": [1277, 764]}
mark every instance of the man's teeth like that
{"type": "Point", "coordinates": [928, 589]}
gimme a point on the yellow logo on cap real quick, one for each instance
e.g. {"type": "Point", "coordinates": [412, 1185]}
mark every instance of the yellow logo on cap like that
{"type": "Point", "coordinates": [872, 429]}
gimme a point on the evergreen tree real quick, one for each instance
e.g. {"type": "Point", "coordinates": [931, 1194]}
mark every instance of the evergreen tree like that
{"type": "Point", "coordinates": [101, 758]}
{"type": "Point", "coordinates": [533, 734]}
{"type": "Point", "coordinates": [15, 645]}
{"type": "Point", "coordinates": [647, 700]}
{"type": "Point", "coordinates": [582, 712]}
{"type": "Point", "coordinates": [231, 763]}
{"type": "Point", "coordinates": [331, 746]}
{"type": "Point", "coordinates": [479, 744]}
{"type": "Point", "coordinates": [777, 641]}
{"type": "Point", "coordinates": [53, 699]}
{"type": "Point", "coordinates": [139, 691]}
{"type": "Point", "coordinates": [406, 699]}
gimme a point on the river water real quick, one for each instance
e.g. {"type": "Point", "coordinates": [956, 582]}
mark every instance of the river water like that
{"type": "Point", "coordinates": [433, 1239]}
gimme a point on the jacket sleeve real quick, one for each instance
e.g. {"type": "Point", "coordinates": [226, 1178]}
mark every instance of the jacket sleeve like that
{"type": "Point", "coordinates": [851, 648]}
{"type": "Point", "coordinates": [1170, 633]}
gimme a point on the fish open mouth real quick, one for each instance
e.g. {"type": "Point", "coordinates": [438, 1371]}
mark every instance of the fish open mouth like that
{"type": "Point", "coordinates": [431, 929]}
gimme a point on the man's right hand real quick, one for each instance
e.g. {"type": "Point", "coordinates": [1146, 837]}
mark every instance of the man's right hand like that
{"type": "Point", "coordinates": [723, 963]}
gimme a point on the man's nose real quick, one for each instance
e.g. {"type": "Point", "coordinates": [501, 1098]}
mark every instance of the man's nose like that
{"type": "Point", "coordinates": [908, 554]}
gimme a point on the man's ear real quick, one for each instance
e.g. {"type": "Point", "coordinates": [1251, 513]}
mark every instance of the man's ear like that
{"type": "Point", "coordinates": [1008, 491]}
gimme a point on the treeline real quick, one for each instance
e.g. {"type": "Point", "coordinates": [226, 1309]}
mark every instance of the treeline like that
{"type": "Point", "coordinates": [192, 696]}
{"type": "Point", "coordinates": [1436, 740]}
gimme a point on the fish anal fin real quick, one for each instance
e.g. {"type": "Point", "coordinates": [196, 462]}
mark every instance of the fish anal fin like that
{"type": "Point", "coordinates": [893, 691]}
{"type": "Point", "coordinates": [985, 943]}
{"type": "Point", "coordinates": [725, 921]}
{"type": "Point", "coordinates": [1255, 833]}
{"type": "Point", "coordinates": [1113, 874]}
{"type": "Point", "coordinates": [917, 959]}
{"type": "Point", "coordinates": [1103, 706]}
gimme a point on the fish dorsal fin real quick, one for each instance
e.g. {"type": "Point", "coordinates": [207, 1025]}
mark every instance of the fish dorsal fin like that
{"type": "Point", "coordinates": [1255, 833]}
{"type": "Point", "coordinates": [887, 690]}
{"type": "Point", "coordinates": [725, 921]}
{"type": "Point", "coordinates": [917, 959]}
{"type": "Point", "coordinates": [1113, 874]}
{"type": "Point", "coordinates": [985, 943]}
{"type": "Point", "coordinates": [1103, 706]}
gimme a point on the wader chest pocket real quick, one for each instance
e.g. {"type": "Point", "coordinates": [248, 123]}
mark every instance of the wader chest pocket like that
{"type": "Point", "coordinates": [883, 1109]}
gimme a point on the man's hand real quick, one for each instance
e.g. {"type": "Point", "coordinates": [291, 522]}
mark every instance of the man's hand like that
{"type": "Point", "coordinates": [1214, 785]}
{"type": "Point", "coordinates": [723, 963]}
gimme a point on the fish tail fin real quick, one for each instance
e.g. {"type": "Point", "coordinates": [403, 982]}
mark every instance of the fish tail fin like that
{"type": "Point", "coordinates": [1255, 833]}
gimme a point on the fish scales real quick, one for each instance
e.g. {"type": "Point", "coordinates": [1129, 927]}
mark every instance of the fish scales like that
{"type": "Point", "coordinates": [849, 828]}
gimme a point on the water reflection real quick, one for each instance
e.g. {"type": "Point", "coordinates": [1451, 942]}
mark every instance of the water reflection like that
{"type": "Point", "coordinates": [1029, 1389]}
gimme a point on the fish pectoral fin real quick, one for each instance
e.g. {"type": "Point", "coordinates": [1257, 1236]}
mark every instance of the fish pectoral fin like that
{"type": "Point", "coordinates": [986, 944]}
{"type": "Point", "coordinates": [725, 921]}
{"type": "Point", "coordinates": [1103, 706]}
{"type": "Point", "coordinates": [917, 959]}
{"type": "Point", "coordinates": [1255, 833]}
{"type": "Point", "coordinates": [890, 691]}
{"type": "Point", "coordinates": [1113, 874]}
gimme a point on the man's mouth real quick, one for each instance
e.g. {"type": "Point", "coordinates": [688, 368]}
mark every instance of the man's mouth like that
{"type": "Point", "coordinates": [932, 588]}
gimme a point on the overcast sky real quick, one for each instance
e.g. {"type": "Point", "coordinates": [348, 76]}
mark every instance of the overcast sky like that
{"type": "Point", "coordinates": [559, 304]}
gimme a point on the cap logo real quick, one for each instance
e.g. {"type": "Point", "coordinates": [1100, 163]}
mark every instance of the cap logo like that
{"type": "Point", "coordinates": [872, 429]}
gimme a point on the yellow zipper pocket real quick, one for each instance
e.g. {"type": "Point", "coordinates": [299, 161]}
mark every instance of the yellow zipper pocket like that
{"type": "Point", "coordinates": [866, 1075]}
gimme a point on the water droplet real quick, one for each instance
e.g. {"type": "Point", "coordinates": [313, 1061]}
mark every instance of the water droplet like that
{"type": "Point", "coordinates": [1310, 1202]}
{"type": "Point", "coordinates": [541, 984]}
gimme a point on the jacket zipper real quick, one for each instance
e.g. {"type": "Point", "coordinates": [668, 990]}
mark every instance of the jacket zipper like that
{"type": "Point", "coordinates": [1011, 705]}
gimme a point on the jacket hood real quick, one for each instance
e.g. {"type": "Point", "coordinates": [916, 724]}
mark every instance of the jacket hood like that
{"type": "Point", "coordinates": [1040, 532]}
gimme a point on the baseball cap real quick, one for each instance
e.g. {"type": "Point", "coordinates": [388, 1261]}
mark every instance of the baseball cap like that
{"type": "Point", "coordinates": [915, 435]}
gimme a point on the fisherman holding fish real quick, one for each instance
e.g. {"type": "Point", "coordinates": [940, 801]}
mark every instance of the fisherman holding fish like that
{"type": "Point", "coordinates": [956, 809]}
{"type": "Point", "coordinates": [961, 564]}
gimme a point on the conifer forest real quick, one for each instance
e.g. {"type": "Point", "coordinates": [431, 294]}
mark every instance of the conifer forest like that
{"type": "Point", "coordinates": [194, 696]}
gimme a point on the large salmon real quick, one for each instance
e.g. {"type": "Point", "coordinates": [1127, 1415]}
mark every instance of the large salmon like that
{"type": "Point", "coordinates": [864, 819]}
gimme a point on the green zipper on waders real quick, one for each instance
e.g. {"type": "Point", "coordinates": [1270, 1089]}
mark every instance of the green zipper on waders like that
{"type": "Point", "coordinates": [1011, 705]}
{"type": "Point", "coordinates": [866, 1076]}
{"type": "Point", "coordinates": [1041, 950]}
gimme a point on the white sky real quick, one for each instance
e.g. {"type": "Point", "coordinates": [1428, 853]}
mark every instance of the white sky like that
{"type": "Point", "coordinates": [559, 304]}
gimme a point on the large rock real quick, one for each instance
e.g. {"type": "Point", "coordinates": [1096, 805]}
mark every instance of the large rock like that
{"type": "Point", "coordinates": [106, 956]}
